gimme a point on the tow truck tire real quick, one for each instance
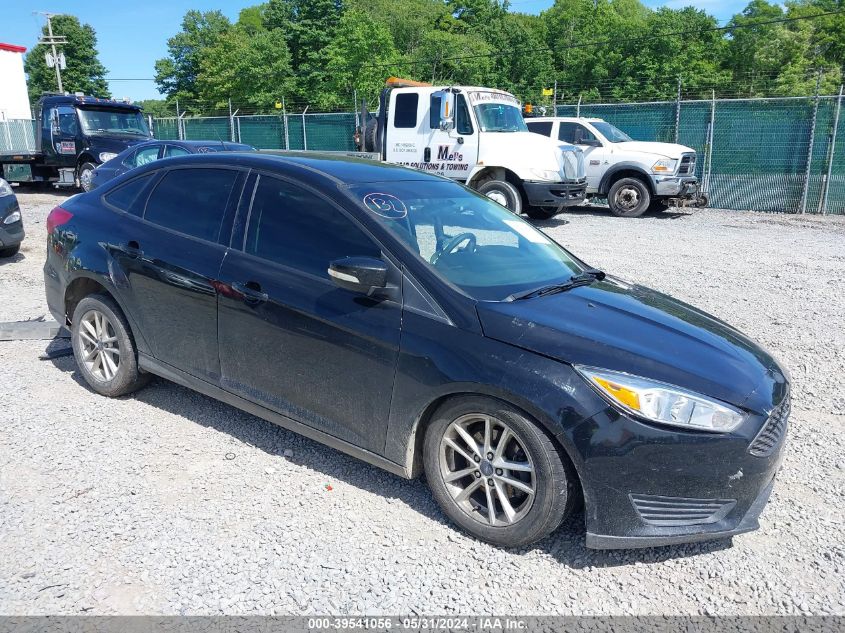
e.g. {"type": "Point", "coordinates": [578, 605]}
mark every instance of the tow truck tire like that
{"type": "Point", "coordinates": [504, 193]}
{"type": "Point", "coordinates": [84, 173]}
{"type": "Point", "coordinates": [371, 135]}
{"type": "Point", "coordinates": [541, 213]}
{"type": "Point", "coordinates": [628, 198]}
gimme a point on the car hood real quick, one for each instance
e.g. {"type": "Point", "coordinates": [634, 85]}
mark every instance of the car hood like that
{"type": "Point", "coordinates": [669, 150]}
{"type": "Point", "coordinates": [113, 145]}
{"type": "Point", "coordinates": [630, 328]}
{"type": "Point", "coordinates": [520, 150]}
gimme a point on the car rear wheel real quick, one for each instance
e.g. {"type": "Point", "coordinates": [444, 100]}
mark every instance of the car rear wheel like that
{"type": "Point", "coordinates": [104, 349]}
{"type": "Point", "coordinates": [628, 198]}
{"type": "Point", "coordinates": [504, 193]}
{"type": "Point", "coordinates": [495, 473]}
{"type": "Point", "coordinates": [84, 175]}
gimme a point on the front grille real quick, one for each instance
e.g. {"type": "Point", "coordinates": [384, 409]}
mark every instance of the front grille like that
{"type": "Point", "coordinates": [773, 430]}
{"type": "Point", "coordinates": [687, 166]}
{"type": "Point", "coordinates": [659, 510]}
{"type": "Point", "coordinates": [574, 167]}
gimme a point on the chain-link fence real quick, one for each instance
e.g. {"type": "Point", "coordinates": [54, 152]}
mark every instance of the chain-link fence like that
{"type": "Point", "coordinates": [17, 136]}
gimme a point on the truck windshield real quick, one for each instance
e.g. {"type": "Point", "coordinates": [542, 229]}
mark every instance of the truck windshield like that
{"type": "Point", "coordinates": [467, 239]}
{"type": "Point", "coordinates": [611, 132]}
{"type": "Point", "coordinates": [499, 117]}
{"type": "Point", "coordinates": [113, 121]}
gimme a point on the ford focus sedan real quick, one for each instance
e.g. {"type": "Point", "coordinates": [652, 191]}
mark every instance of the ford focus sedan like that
{"type": "Point", "coordinates": [408, 321]}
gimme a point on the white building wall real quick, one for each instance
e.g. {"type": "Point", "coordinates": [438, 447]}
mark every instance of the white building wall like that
{"type": "Point", "coordinates": [14, 100]}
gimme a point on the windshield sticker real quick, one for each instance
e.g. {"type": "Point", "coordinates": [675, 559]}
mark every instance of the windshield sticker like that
{"type": "Point", "coordinates": [528, 232]}
{"type": "Point", "coordinates": [476, 97]}
{"type": "Point", "coordinates": [386, 205]}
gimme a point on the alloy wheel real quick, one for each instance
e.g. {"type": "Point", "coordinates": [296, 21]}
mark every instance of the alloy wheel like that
{"type": "Point", "coordinates": [487, 470]}
{"type": "Point", "coordinates": [100, 349]}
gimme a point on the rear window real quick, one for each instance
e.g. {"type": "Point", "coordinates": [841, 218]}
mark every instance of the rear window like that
{"type": "Point", "coordinates": [405, 114]}
{"type": "Point", "coordinates": [126, 196]}
{"type": "Point", "coordinates": [540, 127]}
{"type": "Point", "coordinates": [192, 201]}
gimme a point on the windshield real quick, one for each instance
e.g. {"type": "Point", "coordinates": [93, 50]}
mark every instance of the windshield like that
{"type": "Point", "coordinates": [112, 121]}
{"type": "Point", "coordinates": [611, 132]}
{"type": "Point", "coordinates": [500, 117]}
{"type": "Point", "coordinates": [469, 240]}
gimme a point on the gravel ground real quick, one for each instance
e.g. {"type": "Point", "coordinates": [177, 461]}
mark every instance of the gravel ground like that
{"type": "Point", "coordinates": [169, 502]}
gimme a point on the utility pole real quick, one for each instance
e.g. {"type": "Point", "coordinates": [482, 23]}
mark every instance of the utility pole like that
{"type": "Point", "coordinates": [51, 41]}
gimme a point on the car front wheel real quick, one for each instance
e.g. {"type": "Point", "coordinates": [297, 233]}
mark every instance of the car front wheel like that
{"type": "Point", "coordinates": [628, 198]}
{"type": "Point", "coordinates": [495, 473]}
{"type": "Point", "coordinates": [504, 193]}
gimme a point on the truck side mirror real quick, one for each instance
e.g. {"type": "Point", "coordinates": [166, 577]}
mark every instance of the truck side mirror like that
{"type": "Point", "coordinates": [54, 120]}
{"type": "Point", "coordinates": [447, 110]}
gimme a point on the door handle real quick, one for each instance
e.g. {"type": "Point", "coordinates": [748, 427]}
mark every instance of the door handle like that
{"type": "Point", "coordinates": [132, 248]}
{"type": "Point", "coordinates": [251, 292]}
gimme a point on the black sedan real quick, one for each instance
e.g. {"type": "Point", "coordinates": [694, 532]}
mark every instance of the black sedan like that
{"type": "Point", "coordinates": [149, 151]}
{"type": "Point", "coordinates": [410, 322]}
{"type": "Point", "coordinates": [11, 223]}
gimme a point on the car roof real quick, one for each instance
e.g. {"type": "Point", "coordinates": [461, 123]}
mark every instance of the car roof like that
{"type": "Point", "coordinates": [340, 168]}
{"type": "Point", "coordinates": [564, 118]}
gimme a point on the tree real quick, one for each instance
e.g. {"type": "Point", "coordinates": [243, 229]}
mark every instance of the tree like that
{"type": "Point", "coordinates": [359, 58]}
{"type": "Point", "coordinates": [84, 72]}
{"type": "Point", "coordinates": [176, 74]}
{"type": "Point", "coordinates": [251, 70]}
{"type": "Point", "coordinates": [408, 20]}
{"type": "Point", "coordinates": [156, 108]}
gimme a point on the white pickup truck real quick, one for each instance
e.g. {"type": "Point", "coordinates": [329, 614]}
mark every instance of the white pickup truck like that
{"type": "Point", "coordinates": [634, 176]}
{"type": "Point", "coordinates": [477, 136]}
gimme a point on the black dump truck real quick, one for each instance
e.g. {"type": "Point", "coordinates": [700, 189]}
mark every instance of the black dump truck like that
{"type": "Point", "coordinates": [73, 134]}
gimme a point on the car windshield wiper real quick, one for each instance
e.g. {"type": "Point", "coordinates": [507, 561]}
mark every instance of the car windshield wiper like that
{"type": "Point", "coordinates": [583, 279]}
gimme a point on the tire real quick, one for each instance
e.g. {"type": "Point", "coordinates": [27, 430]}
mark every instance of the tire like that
{"type": "Point", "coordinates": [552, 480]}
{"type": "Point", "coordinates": [628, 198]}
{"type": "Point", "coordinates": [11, 251]}
{"type": "Point", "coordinates": [541, 213]}
{"type": "Point", "coordinates": [371, 136]}
{"type": "Point", "coordinates": [119, 376]}
{"type": "Point", "coordinates": [504, 193]}
{"type": "Point", "coordinates": [83, 175]}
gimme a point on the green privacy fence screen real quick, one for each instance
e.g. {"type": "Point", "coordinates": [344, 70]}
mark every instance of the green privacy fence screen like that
{"type": "Point", "coordinates": [753, 154]}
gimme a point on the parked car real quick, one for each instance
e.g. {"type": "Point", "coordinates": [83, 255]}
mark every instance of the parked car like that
{"type": "Point", "coordinates": [11, 222]}
{"type": "Point", "coordinates": [634, 176]}
{"type": "Point", "coordinates": [150, 151]}
{"type": "Point", "coordinates": [411, 322]}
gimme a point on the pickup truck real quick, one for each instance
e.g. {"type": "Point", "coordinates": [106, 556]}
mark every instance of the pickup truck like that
{"type": "Point", "coordinates": [477, 136]}
{"type": "Point", "coordinates": [73, 135]}
{"type": "Point", "coordinates": [634, 176]}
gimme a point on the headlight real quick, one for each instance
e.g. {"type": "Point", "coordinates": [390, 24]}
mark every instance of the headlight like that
{"type": "Point", "coordinates": [546, 174]}
{"type": "Point", "coordinates": [664, 166]}
{"type": "Point", "coordinates": [5, 189]}
{"type": "Point", "coordinates": [659, 402]}
{"type": "Point", "coordinates": [14, 216]}
{"type": "Point", "coordinates": [106, 156]}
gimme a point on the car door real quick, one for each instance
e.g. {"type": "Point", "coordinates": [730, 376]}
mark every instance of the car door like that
{"type": "Point", "coordinates": [171, 260]}
{"type": "Point", "coordinates": [290, 339]}
{"type": "Point", "coordinates": [453, 152]}
{"type": "Point", "coordinates": [596, 154]}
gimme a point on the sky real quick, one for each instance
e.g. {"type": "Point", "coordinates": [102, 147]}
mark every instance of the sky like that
{"type": "Point", "coordinates": [133, 35]}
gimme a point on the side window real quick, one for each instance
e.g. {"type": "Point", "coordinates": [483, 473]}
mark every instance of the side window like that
{"type": "Point", "coordinates": [172, 150]}
{"type": "Point", "coordinates": [126, 196]}
{"type": "Point", "coordinates": [145, 155]}
{"type": "Point", "coordinates": [463, 122]}
{"type": "Point", "coordinates": [540, 127]}
{"type": "Point", "coordinates": [294, 227]}
{"type": "Point", "coordinates": [67, 121]}
{"type": "Point", "coordinates": [192, 201]}
{"type": "Point", "coordinates": [405, 112]}
{"type": "Point", "coordinates": [434, 112]}
{"type": "Point", "coordinates": [570, 133]}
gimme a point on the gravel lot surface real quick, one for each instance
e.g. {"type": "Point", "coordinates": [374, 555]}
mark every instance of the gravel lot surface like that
{"type": "Point", "coordinates": [169, 502]}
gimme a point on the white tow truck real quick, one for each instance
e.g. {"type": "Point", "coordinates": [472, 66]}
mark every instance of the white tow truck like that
{"type": "Point", "coordinates": [634, 176]}
{"type": "Point", "coordinates": [477, 136]}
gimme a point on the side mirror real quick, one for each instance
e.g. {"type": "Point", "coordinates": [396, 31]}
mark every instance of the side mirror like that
{"type": "Point", "coordinates": [447, 109]}
{"type": "Point", "coordinates": [54, 121]}
{"type": "Point", "coordinates": [359, 274]}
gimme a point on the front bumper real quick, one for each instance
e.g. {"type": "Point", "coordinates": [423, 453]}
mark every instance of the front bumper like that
{"type": "Point", "coordinates": [675, 186]}
{"type": "Point", "coordinates": [555, 194]}
{"type": "Point", "coordinates": [648, 486]}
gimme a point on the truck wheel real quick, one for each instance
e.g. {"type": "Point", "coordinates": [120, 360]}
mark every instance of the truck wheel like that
{"type": "Point", "coordinates": [703, 200]}
{"type": "Point", "coordinates": [628, 198]}
{"type": "Point", "coordinates": [504, 193]}
{"type": "Point", "coordinates": [541, 213]}
{"type": "Point", "coordinates": [84, 174]}
{"type": "Point", "coordinates": [371, 135]}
